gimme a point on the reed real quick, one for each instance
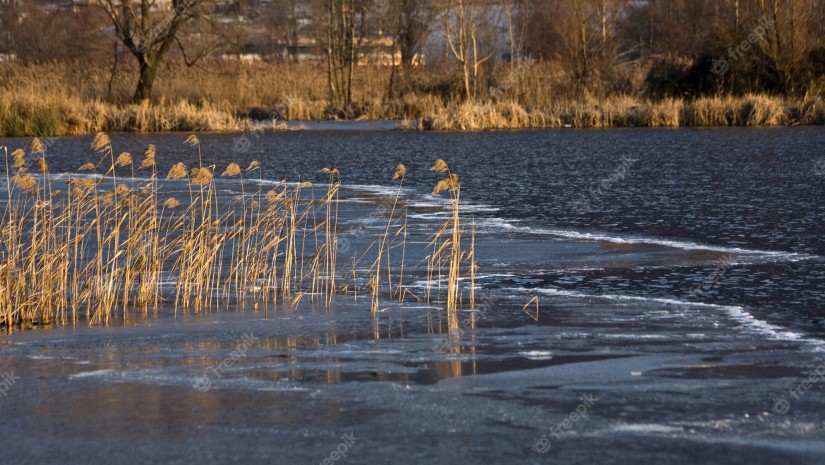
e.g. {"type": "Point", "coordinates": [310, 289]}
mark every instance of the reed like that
{"type": "Point", "coordinates": [330, 247]}
{"type": "Point", "coordinates": [447, 245]}
{"type": "Point", "coordinates": [453, 186]}
{"type": "Point", "coordinates": [384, 245]}
{"type": "Point", "coordinates": [103, 240]}
{"type": "Point", "coordinates": [66, 99]}
{"type": "Point", "coordinates": [476, 117]}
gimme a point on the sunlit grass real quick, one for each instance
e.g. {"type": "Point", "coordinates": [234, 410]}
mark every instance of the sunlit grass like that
{"type": "Point", "coordinates": [60, 99]}
{"type": "Point", "coordinates": [104, 241]}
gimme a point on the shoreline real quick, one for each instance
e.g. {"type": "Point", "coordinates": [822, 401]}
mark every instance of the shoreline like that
{"type": "Point", "coordinates": [391, 125]}
{"type": "Point", "coordinates": [20, 117]}
{"type": "Point", "coordinates": [72, 99]}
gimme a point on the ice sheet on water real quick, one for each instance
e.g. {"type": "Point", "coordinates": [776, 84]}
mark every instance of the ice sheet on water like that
{"type": "Point", "coordinates": [647, 428]}
{"type": "Point", "coordinates": [537, 354]}
{"type": "Point", "coordinates": [736, 313]}
{"type": "Point", "coordinates": [91, 374]}
{"type": "Point", "coordinates": [500, 224]}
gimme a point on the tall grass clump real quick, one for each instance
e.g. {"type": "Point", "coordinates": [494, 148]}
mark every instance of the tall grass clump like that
{"type": "Point", "coordinates": [471, 116]}
{"type": "Point", "coordinates": [102, 242]}
{"type": "Point", "coordinates": [446, 245]}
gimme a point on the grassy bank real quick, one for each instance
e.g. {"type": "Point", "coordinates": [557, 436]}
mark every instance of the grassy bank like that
{"type": "Point", "coordinates": [749, 110]}
{"type": "Point", "coordinates": [63, 99]}
{"type": "Point", "coordinates": [26, 115]}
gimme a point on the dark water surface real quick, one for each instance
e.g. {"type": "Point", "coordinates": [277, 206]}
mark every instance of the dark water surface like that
{"type": "Point", "coordinates": [681, 278]}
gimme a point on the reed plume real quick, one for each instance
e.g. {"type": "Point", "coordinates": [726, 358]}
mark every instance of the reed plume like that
{"type": "Point", "coordinates": [108, 241]}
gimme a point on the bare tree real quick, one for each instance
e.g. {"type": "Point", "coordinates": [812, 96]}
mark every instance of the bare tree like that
{"type": "Point", "coordinates": [149, 29]}
{"type": "Point", "coordinates": [462, 22]}
{"type": "Point", "coordinates": [37, 34]}
{"type": "Point", "coordinates": [413, 19]}
{"type": "Point", "coordinates": [283, 18]}
{"type": "Point", "coordinates": [407, 23]}
{"type": "Point", "coordinates": [513, 11]}
{"type": "Point", "coordinates": [342, 31]}
{"type": "Point", "coordinates": [788, 40]}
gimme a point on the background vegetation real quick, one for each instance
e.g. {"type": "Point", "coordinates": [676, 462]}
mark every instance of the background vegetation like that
{"type": "Point", "coordinates": [443, 64]}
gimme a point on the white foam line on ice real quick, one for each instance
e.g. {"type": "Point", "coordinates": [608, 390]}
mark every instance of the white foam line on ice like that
{"type": "Point", "coordinates": [566, 293]}
{"type": "Point", "coordinates": [650, 428]}
{"type": "Point", "coordinates": [374, 188]}
{"type": "Point", "coordinates": [598, 237]}
{"type": "Point", "coordinates": [89, 374]}
{"type": "Point", "coordinates": [435, 282]}
{"type": "Point", "coordinates": [734, 312]}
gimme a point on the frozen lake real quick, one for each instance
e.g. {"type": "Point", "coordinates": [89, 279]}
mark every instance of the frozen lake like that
{"type": "Point", "coordinates": [681, 314]}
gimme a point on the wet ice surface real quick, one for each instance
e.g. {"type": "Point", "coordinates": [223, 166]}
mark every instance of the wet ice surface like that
{"type": "Point", "coordinates": [648, 347]}
{"type": "Point", "coordinates": [655, 379]}
{"type": "Point", "coordinates": [248, 387]}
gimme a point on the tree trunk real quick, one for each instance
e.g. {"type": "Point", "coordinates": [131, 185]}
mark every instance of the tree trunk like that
{"type": "Point", "coordinates": [603, 14]}
{"type": "Point", "coordinates": [148, 70]}
{"type": "Point", "coordinates": [583, 52]}
{"type": "Point", "coordinates": [462, 47]}
{"type": "Point", "coordinates": [114, 72]}
{"type": "Point", "coordinates": [331, 74]}
{"type": "Point", "coordinates": [352, 52]}
{"type": "Point", "coordinates": [407, 53]}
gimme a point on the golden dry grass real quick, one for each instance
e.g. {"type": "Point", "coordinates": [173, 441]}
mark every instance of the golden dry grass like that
{"type": "Point", "coordinates": [106, 244]}
{"type": "Point", "coordinates": [749, 110]}
{"type": "Point", "coordinates": [58, 99]}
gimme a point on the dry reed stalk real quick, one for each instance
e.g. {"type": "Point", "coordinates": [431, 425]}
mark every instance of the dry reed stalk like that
{"type": "Point", "coordinates": [533, 300]}
{"type": "Point", "coordinates": [473, 267]}
{"type": "Point", "coordinates": [403, 232]}
{"type": "Point", "coordinates": [375, 281]}
{"type": "Point", "coordinates": [451, 184]}
{"type": "Point", "coordinates": [108, 241]}
{"type": "Point", "coordinates": [330, 231]}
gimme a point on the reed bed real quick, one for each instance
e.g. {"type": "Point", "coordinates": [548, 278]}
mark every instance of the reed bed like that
{"type": "Point", "coordinates": [748, 110]}
{"type": "Point", "coordinates": [67, 99]}
{"type": "Point", "coordinates": [109, 241]}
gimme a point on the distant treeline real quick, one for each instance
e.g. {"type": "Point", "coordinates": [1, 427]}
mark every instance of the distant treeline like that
{"type": "Point", "coordinates": [413, 59]}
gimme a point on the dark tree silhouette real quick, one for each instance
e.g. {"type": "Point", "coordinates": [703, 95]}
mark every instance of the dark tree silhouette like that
{"type": "Point", "coordinates": [149, 29]}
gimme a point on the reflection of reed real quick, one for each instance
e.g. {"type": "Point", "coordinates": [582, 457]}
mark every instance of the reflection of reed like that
{"type": "Point", "coordinates": [449, 369]}
{"type": "Point", "coordinates": [333, 376]}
